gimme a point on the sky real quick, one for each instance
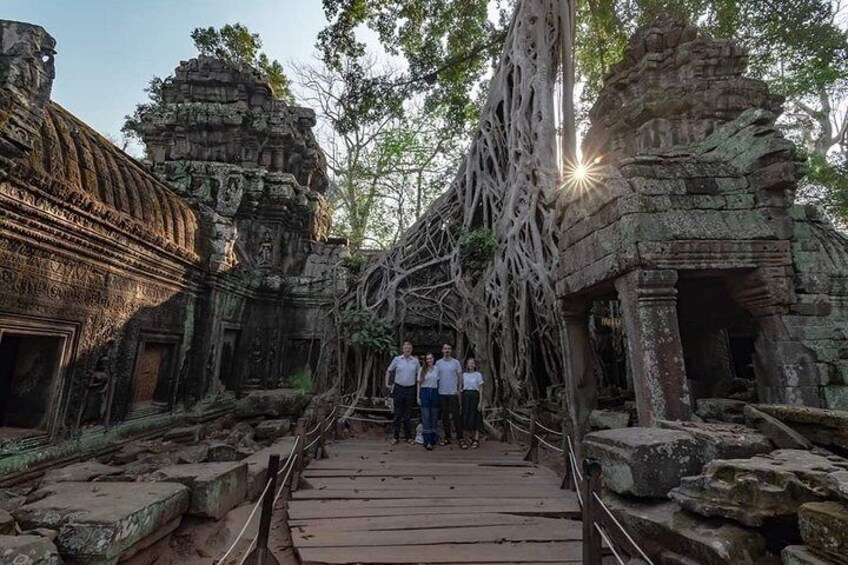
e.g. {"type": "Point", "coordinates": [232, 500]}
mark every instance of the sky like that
{"type": "Point", "coordinates": [107, 50]}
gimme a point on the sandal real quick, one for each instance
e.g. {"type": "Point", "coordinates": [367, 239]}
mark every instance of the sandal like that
{"type": "Point", "coordinates": [444, 442]}
{"type": "Point", "coordinates": [475, 444]}
{"type": "Point", "coordinates": [394, 441]}
{"type": "Point", "coordinates": [463, 445]}
{"type": "Point", "coordinates": [410, 441]}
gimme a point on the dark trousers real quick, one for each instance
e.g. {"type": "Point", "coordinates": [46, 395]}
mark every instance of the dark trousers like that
{"type": "Point", "coordinates": [404, 400]}
{"type": "Point", "coordinates": [450, 411]}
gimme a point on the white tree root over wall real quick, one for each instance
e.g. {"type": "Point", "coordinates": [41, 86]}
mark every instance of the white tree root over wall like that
{"type": "Point", "coordinates": [507, 184]}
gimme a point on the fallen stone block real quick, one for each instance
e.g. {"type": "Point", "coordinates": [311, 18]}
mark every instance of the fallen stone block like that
{"type": "Point", "coordinates": [129, 453]}
{"type": "Point", "coordinates": [778, 433]}
{"type": "Point", "coordinates": [272, 429]}
{"type": "Point", "coordinates": [671, 535]}
{"type": "Point", "coordinates": [28, 550]}
{"type": "Point", "coordinates": [764, 487]}
{"type": "Point", "coordinates": [216, 488]}
{"type": "Point", "coordinates": [100, 522]}
{"type": "Point", "coordinates": [186, 434]}
{"type": "Point", "coordinates": [79, 472]}
{"type": "Point", "coordinates": [824, 528]}
{"type": "Point", "coordinates": [219, 451]}
{"type": "Point", "coordinates": [193, 454]}
{"type": "Point", "coordinates": [721, 410]}
{"type": "Point", "coordinates": [644, 461]}
{"type": "Point", "coordinates": [257, 465]}
{"type": "Point", "coordinates": [801, 555]}
{"type": "Point", "coordinates": [8, 527]}
{"type": "Point", "coordinates": [608, 420]}
{"type": "Point", "coordinates": [278, 403]}
{"type": "Point", "coordinates": [722, 440]}
{"type": "Point", "coordinates": [819, 425]}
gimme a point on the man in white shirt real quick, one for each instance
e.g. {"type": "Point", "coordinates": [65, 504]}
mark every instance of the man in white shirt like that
{"type": "Point", "coordinates": [450, 373]}
{"type": "Point", "coordinates": [405, 370]}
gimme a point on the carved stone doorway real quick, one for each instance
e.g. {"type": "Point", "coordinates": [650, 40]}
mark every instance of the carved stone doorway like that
{"type": "Point", "coordinates": [29, 366]}
{"type": "Point", "coordinates": [153, 376]}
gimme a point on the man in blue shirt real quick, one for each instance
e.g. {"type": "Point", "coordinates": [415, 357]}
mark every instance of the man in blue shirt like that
{"type": "Point", "coordinates": [405, 369]}
{"type": "Point", "coordinates": [449, 372]}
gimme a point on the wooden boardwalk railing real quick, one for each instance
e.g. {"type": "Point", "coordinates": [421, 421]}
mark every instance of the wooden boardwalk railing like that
{"type": "Point", "coordinates": [368, 502]}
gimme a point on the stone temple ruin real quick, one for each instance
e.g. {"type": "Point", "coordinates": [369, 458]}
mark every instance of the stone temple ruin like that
{"type": "Point", "coordinates": [704, 312]}
{"type": "Point", "coordinates": [729, 294]}
{"type": "Point", "coordinates": [134, 299]}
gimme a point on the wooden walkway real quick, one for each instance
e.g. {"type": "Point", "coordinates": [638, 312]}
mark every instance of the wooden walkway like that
{"type": "Point", "coordinates": [370, 502]}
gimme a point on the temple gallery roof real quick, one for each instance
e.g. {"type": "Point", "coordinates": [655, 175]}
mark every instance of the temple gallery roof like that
{"type": "Point", "coordinates": [73, 155]}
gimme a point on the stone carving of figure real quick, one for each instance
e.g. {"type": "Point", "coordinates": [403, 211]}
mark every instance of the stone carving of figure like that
{"type": "Point", "coordinates": [98, 388]}
{"type": "Point", "coordinates": [266, 249]}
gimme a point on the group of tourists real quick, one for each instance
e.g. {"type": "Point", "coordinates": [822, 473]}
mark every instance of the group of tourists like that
{"type": "Point", "coordinates": [438, 386]}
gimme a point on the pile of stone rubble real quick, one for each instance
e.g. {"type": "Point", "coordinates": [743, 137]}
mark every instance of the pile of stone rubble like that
{"type": "Point", "coordinates": [740, 484]}
{"type": "Point", "coordinates": [125, 505]}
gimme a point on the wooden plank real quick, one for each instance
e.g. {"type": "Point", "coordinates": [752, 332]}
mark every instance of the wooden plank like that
{"type": "Point", "coordinates": [543, 552]}
{"type": "Point", "coordinates": [565, 510]}
{"type": "Point", "coordinates": [421, 471]}
{"type": "Point", "coordinates": [558, 530]}
{"type": "Point", "coordinates": [400, 483]}
{"type": "Point", "coordinates": [434, 491]}
{"type": "Point", "coordinates": [418, 521]}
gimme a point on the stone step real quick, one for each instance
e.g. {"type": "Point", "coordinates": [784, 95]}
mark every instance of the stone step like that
{"type": "Point", "coordinates": [100, 522]}
{"type": "Point", "coordinates": [216, 488]}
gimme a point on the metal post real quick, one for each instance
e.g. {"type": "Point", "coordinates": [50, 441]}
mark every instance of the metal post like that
{"type": "Point", "coordinates": [533, 450]}
{"type": "Point", "coordinates": [262, 555]}
{"type": "Point", "coordinates": [591, 512]}
{"type": "Point", "coordinates": [300, 433]}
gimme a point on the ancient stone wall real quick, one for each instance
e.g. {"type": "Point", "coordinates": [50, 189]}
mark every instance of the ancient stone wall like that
{"type": "Point", "coordinates": [130, 299]}
{"type": "Point", "coordinates": [693, 202]}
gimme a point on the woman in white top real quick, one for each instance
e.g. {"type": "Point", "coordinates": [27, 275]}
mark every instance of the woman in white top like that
{"type": "Point", "coordinates": [472, 404]}
{"type": "Point", "coordinates": [428, 396]}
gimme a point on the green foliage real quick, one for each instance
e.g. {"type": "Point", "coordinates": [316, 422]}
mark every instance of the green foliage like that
{"type": "Point", "coordinates": [300, 381]}
{"type": "Point", "coordinates": [476, 248]}
{"type": "Point", "coordinates": [354, 264]}
{"type": "Point", "coordinates": [449, 46]}
{"type": "Point", "coordinates": [233, 43]}
{"type": "Point", "coordinates": [826, 185]}
{"type": "Point", "coordinates": [363, 329]}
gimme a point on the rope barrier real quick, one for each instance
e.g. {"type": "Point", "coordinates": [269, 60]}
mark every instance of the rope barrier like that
{"type": "Point", "coordinates": [543, 442]}
{"type": "Point", "coordinates": [609, 544]}
{"type": "Point", "coordinates": [244, 527]}
{"type": "Point", "coordinates": [547, 429]}
{"type": "Point", "coordinates": [311, 443]}
{"type": "Point", "coordinates": [291, 455]}
{"type": "Point", "coordinates": [285, 479]}
{"type": "Point", "coordinates": [573, 458]}
{"type": "Point", "coordinates": [519, 416]}
{"type": "Point", "coordinates": [516, 427]}
{"type": "Point", "coordinates": [621, 528]}
{"type": "Point", "coordinates": [371, 420]}
{"type": "Point", "coordinates": [365, 408]}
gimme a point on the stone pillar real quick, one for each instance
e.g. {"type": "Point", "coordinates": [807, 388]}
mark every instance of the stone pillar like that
{"type": "Point", "coordinates": [580, 386]}
{"type": "Point", "coordinates": [649, 305]}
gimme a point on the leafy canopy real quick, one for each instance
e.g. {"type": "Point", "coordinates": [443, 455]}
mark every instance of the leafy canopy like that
{"type": "Point", "coordinates": [233, 43]}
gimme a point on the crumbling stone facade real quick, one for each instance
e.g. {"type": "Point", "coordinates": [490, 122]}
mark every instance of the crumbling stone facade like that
{"type": "Point", "coordinates": [131, 298]}
{"type": "Point", "coordinates": [691, 225]}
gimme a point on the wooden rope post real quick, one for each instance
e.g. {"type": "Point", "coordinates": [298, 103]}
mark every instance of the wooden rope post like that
{"type": "Point", "coordinates": [261, 555]}
{"type": "Point", "coordinates": [299, 464]}
{"type": "Point", "coordinates": [504, 424]}
{"type": "Point", "coordinates": [320, 452]}
{"type": "Point", "coordinates": [568, 478]}
{"type": "Point", "coordinates": [591, 511]}
{"type": "Point", "coordinates": [533, 450]}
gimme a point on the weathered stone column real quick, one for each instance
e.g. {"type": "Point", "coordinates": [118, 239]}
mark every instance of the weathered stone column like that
{"type": "Point", "coordinates": [580, 386]}
{"type": "Point", "coordinates": [649, 304]}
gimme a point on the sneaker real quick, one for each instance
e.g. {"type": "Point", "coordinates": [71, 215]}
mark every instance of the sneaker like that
{"type": "Point", "coordinates": [428, 447]}
{"type": "Point", "coordinates": [394, 441]}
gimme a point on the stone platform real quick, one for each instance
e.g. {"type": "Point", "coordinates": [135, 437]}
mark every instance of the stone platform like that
{"type": "Point", "coordinates": [104, 523]}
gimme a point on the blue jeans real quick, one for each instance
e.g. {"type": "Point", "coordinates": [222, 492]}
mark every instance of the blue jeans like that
{"type": "Point", "coordinates": [430, 414]}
